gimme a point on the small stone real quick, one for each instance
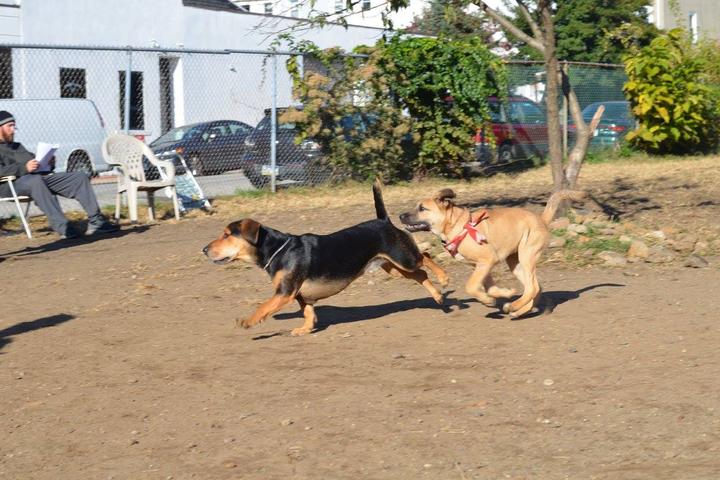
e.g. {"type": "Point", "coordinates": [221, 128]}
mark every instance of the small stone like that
{"type": "Point", "coordinates": [287, 422]}
{"type": "Point", "coordinates": [612, 259]}
{"type": "Point", "coordinates": [660, 254]}
{"type": "Point", "coordinates": [134, 441]}
{"type": "Point", "coordinates": [229, 464]}
{"type": "Point", "coordinates": [548, 382]}
{"type": "Point", "coordinates": [658, 234]}
{"type": "Point", "coordinates": [346, 335]}
{"type": "Point", "coordinates": [557, 242]}
{"type": "Point", "coordinates": [572, 350]}
{"type": "Point", "coordinates": [397, 356]}
{"type": "Point", "coordinates": [19, 375]}
{"type": "Point", "coordinates": [696, 261]}
{"type": "Point", "coordinates": [625, 239]}
{"type": "Point", "coordinates": [574, 227]}
{"type": "Point", "coordinates": [570, 234]}
{"type": "Point", "coordinates": [638, 249]}
{"type": "Point", "coordinates": [427, 465]}
{"type": "Point", "coordinates": [191, 445]}
{"type": "Point", "coordinates": [559, 223]}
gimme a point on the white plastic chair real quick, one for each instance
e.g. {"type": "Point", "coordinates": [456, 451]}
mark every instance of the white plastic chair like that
{"type": "Point", "coordinates": [126, 153]}
{"type": "Point", "coordinates": [18, 199]}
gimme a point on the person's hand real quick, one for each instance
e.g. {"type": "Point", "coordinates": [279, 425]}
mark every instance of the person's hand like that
{"type": "Point", "coordinates": [32, 165]}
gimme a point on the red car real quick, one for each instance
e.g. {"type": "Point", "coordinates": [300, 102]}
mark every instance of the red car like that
{"type": "Point", "coordinates": [520, 130]}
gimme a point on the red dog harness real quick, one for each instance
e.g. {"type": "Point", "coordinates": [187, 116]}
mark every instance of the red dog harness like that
{"type": "Point", "coordinates": [470, 228]}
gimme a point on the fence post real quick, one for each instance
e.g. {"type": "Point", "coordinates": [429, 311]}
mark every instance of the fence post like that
{"type": "Point", "coordinates": [128, 77]}
{"type": "Point", "coordinates": [273, 123]}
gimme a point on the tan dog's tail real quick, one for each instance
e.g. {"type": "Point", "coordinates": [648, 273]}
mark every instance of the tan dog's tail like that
{"type": "Point", "coordinates": [554, 202]}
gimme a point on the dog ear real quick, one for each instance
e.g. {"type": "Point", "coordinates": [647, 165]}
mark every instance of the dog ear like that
{"type": "Point", "coordinates": [247, 228]}
{"type": "Point", "coordinates": [444, 195]}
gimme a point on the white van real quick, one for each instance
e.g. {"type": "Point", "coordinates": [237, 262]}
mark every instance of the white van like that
{"type": "Point", "coordinates": [75, 124]}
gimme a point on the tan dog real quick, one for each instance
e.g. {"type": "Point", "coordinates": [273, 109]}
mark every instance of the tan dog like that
{"type": "Point", "coordinates": [487, 237]}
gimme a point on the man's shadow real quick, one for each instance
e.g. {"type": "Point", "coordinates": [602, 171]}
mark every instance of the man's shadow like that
{"type": "Point", "coordinates": [30, 326]}
{"type": "Point", "coordinates": [62, 243]}
{"type": "Point", "coordinates": [549, 300]}
{"type": "Point", "coordinates": [329, 315]}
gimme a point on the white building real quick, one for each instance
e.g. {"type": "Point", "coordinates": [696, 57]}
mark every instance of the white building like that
{"type": "Point", "coordinates": [700, 17]}
{"type": "Point", "coordinates": [368, 13]}
{"type": "Point", "coordinates": [172, 84]}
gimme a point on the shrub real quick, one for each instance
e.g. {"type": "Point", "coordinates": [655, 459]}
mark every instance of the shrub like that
{"type": "Point", "coordinates": [676, 111]}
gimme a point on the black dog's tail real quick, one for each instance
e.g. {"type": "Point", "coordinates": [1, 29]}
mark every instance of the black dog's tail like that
{"type": "Point", "coordinates": [379, 204]}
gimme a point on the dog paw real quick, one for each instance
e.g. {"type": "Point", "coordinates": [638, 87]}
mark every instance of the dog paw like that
{"type": "Point", "coordinates": [506, 307]}
{"type": "Point", "coordinates": [300, 331]}
{"type": "Point", "coordinates": [246, 323]}
{"type": "Point", "coordinates": [444, 282]}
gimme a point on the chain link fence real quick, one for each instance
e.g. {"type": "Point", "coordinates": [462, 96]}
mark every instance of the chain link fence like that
{"type": "Point", "coordinates": [211, 111]}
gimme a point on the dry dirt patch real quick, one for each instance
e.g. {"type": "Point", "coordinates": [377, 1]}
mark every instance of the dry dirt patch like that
{"type": "Point", "coordinates": [118, 357]}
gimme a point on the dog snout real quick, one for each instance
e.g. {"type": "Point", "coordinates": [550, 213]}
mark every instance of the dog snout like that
{"type": "Point", "coordinates": [205, 250]}
{"type": "Point", "coordinates": [406, 217]}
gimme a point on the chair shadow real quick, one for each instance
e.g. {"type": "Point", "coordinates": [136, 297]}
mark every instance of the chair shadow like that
{"type": "Point", "coordinates": [30, 326]}
{"type": "Point", "coordinates": [61, 243]}
{"type": "Point", "coordinates": [329, 315]}
{"type": "Point", "coordinates": [549, 300]}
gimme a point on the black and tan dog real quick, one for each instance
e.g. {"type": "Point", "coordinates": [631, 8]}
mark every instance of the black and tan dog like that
{"type": "Point", "coordinates": [308, 267]}
{"type": "Point", "coordinates": [487, 237]}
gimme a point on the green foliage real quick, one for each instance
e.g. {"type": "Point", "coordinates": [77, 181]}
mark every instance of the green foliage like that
{"type": "Point", "coordinates": [415, 102]}
{"type": "Point", "coordinates": [450, 19]}
{"type": "Point", "coordinates": [676, 111]}
{"type": "Point", "coordinates": [593, 31]}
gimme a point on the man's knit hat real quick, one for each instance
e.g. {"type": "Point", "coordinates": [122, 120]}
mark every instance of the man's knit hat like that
{"type": "Point", "coordinates": [6, 117]}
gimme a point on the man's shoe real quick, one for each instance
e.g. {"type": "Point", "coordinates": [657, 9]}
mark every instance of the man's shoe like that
{"type": "Point", "coordinates": [103, 227]}
{"type": "Point", "coordinates": [70, 233]}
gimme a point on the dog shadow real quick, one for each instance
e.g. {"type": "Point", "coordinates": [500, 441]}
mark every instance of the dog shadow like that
{"type": "Point", "coordinates": [549, 300]}
{"type": "Point", "coordinates": [329, 315]}
{"type": "Point", "coordinates": [37, 324]}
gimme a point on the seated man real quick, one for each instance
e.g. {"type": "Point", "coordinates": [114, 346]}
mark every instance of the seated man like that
{"type": "Point", "coordinates": [42, 187]}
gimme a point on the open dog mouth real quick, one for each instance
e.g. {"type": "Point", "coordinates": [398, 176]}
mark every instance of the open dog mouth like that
{"type": "Point", "coordinates": [417, 227]}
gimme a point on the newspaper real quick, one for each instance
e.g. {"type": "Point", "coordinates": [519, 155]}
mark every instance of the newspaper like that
{"type": "Point", "coordinates": [43, 154]}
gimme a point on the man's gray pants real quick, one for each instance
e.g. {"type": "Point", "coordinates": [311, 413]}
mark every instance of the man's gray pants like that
{"type": "Point", "coordinates": [43, 188]}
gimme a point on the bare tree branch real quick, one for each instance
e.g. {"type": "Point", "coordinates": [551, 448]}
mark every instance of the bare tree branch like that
{"type": "Point", "coordinates": [537, 33]}
{"type": "Point", "coordinates": [510, 27]}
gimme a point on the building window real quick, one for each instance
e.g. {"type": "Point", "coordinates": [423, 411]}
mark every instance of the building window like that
{"type": "Point", "coordinates": [366, 5]}
{"type": "Point", "coordinates": [339, 6]}
{"type": "Point", "coordinates": [268, 8]}
{"type": "Point", "coordinates": [294, 12]}
{"type": "Point", "coordinates": [6, 74]}
{"type": "Point", "coordinates": [137, 116]}
{"type": "Point", "coordinates": [693, 26]}
{"type": "Point", "coordinates": [72, 83]}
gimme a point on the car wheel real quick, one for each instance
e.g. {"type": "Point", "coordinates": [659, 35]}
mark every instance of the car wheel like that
{"type": "Point", "coordinates": [258, 181]}
{"type": "Point", "coordinates": [80, 162]}
{"type": "Point", "coordinates": [505, 154]}
{"type": "Point", "coordinates": [196, 166]}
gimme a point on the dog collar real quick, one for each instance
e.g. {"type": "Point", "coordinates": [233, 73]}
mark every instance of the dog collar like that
{"type": "Point", "coordinates": [470, 228]}
{"type": "Point", "coordinates": [272, 257]}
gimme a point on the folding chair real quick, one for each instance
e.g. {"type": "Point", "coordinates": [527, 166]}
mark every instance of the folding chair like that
{"type": "Point", "coordinates": [18, 199]}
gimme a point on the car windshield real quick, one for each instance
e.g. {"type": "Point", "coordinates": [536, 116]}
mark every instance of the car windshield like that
{"type": "Point", "coordinates": [613, 112]}
{"type": "Point", "coordinates": [265, 124]}
{"type": "Point", "coordinates": [180, 133]}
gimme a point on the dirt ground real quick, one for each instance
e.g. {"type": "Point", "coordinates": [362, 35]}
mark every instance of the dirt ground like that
{"type": "Point", "coordinates": [119, 357]}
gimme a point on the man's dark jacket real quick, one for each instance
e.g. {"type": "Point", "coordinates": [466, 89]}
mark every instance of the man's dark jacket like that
{"type": "Point", "coordinates": [13, 157]}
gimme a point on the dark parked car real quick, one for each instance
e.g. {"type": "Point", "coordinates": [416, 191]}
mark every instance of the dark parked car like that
{"type": "Point", "coordinates": [209, 148]}
{"type": "Point", "coordinates": [295, 163]}
{"type": "Point", "coordinates": [615, 123]}
{"type": "Point", "coordinates": [520, 130]}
